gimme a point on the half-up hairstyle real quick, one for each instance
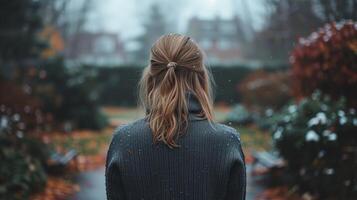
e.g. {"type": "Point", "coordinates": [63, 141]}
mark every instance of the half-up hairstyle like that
{"type": "Point", "coordinates": [176, 68]}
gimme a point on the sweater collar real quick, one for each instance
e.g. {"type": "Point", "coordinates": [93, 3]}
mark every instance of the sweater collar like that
{"type": "Point", "coordinates": [194, 107]}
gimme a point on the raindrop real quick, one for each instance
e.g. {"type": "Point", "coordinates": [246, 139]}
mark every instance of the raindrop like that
{"type": "Point", "coordinates": [27, 89]}
{"type": "Point", "coordinates": [332, 137]}
{"type": "Point", "coordinates": [286, 118]}
{"type": "Point", "coordinates": [312, 136]}
{"type": "Point", "coordinates": [292, 59]}
{"type": "Point", "coordinates": [269, 112]}
{"type": "Point", "coordinates": [67, 127]}
{"type": "Point", "coordinates": [347, 182]}
{"type": "Point", "coordinates": [339, 26]}
{"type": "Point", "coordinates": [314, 36]}
{"type": "Point", "coordinates": [16, 117]}
{"type": "Point", "coordinates": [19, 134]}
{"type": "Point", "coordinates": [2, 108]}
{"type": "Point", "coordinates": [292, 108]}
{"type": "Point", "coordinates": [341, 113]}
{"type": "Point", "coordinates": [43, 74]}
{"type": "Point", "coordinates": [321, 154]}
{"type": "Point", "coordinates": [343, 120]}
{"type": "Point", "coordinates": [21, 126]}
{"type": "Point", "coordinates": [302, 171]}
{"type": "Point", "coordinates": [278, 133]}
{"type": "Point", "coordinates": [326, 133]}
{"type": "Point", "coordinates": [329, 171]}
{"type": "Point", "coordinates": [326, 38]}
{"type": "Point", "coordinates": [4, 122]}
{"type": "Point", "coordinates": [27, 109]}
{"type": "Point", "coordinates": [324, 107]}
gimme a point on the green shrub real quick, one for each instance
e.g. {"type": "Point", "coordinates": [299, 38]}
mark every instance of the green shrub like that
{"type": "Point", "coordinates": [70, 96]}
{"type": "Point", "coordinates": [318, 140]}
{"type": "Point", "coordinates": [22, 159]}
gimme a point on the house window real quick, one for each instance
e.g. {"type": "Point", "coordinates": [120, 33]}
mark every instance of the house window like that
{"type": "Point", "coordinates": [206, 43]}
{"type": "Point", "coordinates": [104, 45]}
{"type": "Point", "coordinates": [224, 44]}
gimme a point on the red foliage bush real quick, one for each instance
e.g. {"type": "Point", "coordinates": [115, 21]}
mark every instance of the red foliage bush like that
{"type": "Point", "coordinates": [261, 90]}
{"type": "Point", "coordinates": [327, 61]}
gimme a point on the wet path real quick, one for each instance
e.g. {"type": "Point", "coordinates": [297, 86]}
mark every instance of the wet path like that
{"type": "Point", "coordinates": [92, 186]}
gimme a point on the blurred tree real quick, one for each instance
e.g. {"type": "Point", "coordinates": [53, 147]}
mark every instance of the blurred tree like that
{"type": "Point", "coordinates": [289, 20]}
{"type": "Point", "coordinates": [65, 19]}
{"type": "Point", "coordinates": [69, 96]}
{"type": "Point", "coordinates": [55, 41]}
{"type": "Point", "coordinates": [65, 15]}
{"type": "Point", "coordinates": [154, 27]}
{"type": "Point", "coordinates": [20, 48]}
{"type": "Point", "coordinates": [44, 78]}
{"type": "Point", "coordinates": [18, 31]}
{"type": "Point", "coordinates": [336, 10]}
{"type": "Point", "coordinates": [21, 171]}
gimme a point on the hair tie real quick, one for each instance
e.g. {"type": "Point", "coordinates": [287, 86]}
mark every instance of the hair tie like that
{"type": "Point", "coordinates": [172, 64]}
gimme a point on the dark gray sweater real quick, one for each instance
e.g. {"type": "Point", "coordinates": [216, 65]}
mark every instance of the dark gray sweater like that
{"type": "Point", "coordinates": [209, 165]}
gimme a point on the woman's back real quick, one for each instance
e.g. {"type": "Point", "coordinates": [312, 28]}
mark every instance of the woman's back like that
{"type": "Point", "coordinates": [176, 151]}
{"type": "Point", "coordinates": [209, 163]}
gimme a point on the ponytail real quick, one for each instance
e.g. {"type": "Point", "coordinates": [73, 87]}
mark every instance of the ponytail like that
{"type": "Point", "coordinates": [164, 86]}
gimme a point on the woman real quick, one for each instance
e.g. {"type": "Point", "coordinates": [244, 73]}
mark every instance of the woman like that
{"type": "Point", "coordinates": [176, 151]}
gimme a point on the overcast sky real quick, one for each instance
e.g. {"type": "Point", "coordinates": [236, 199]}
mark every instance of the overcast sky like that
{"type": "Point", "coordinates": [127, 16]}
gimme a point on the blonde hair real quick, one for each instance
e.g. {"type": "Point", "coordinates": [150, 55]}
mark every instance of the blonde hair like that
{"type": "Point", "coordinates": [176, 68]}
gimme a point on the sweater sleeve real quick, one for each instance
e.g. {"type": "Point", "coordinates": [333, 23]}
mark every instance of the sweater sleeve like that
{"type": "Point", "coordinates": [237, 181]}
{"type": "Point", "coordinates": [113, 182]}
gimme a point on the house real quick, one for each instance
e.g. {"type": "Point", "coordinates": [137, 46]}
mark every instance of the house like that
{"type": "Point", "coordinates": [100, 49]}
{"type": "Point", "coordinates": [221, 39]}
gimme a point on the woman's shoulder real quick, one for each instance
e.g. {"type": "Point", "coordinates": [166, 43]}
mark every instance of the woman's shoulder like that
{"type": "Point", "coordinates": [227, 131]}
{"type": "Point", "coordinates": [131, 129]}
{"type": "Point", "coordinates": [139, 123]}
{"type": "Point", "coordinates": [216, 132]}
{"type": "Point", "coordinates": [232, 137]}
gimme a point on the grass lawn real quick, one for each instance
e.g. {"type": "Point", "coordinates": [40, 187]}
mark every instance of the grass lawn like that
{"type": "Point", "coordinates": [84, 142]}
{"type": "Point", "coordinates": [254, 139]}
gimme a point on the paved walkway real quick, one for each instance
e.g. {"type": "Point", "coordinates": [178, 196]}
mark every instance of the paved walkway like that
{"type": "Point", "coordinates": [93, 186]}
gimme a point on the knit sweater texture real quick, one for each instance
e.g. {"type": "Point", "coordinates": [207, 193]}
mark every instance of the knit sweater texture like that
{"type": "Point", "coordinates": [208, 165]}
